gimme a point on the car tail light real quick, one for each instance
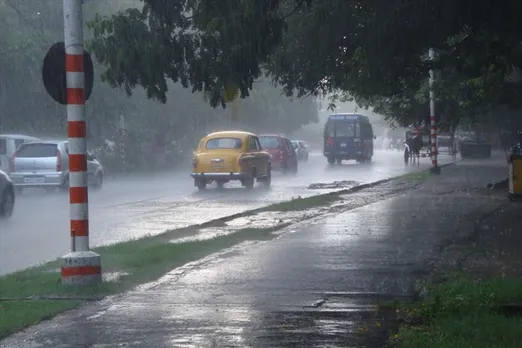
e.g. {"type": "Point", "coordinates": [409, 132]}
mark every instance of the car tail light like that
{"type": "Point", "coordinates": [58, 161]}
{"type": "Point", "coordinates": [12, 163]}
{"type": "Point", "coordinates": [329, 141]}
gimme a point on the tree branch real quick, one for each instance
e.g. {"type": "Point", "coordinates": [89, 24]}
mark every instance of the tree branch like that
{"type": "Point", "coordinates": [299, 4]}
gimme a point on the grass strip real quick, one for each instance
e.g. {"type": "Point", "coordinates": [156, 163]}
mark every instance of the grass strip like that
{"type": "Point", "coordinates": [35, 294]}
{"type": "Point", "coordinates": [299, 204]}
{"type": "Point", "coordinates": [464, 313]}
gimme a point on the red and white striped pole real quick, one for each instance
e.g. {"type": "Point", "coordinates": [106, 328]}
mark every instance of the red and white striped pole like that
{"type": "Point", "coordinates": [433, 124]}
{"type": "Point", "coordinates": [81, 266]}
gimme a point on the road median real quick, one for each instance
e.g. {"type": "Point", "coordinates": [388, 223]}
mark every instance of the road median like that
{"type": "Point", "coordinates": [36, 294]}
{"type": "Point", "coordinates": [322, 199]}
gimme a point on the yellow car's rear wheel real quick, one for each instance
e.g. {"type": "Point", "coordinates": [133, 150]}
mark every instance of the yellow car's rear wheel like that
{"type": "Point", "coordinates": [201, 184]}
{"type": "Point", "coordinates": [248, 182]}
{"type": "Point", "coordinates": [267, 180]}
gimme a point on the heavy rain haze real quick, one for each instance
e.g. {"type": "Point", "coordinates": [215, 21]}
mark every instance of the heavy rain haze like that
{"type": "Point", "coordinates": [147, 188]}
{"type": "Point", "coordinates": [259, 173]}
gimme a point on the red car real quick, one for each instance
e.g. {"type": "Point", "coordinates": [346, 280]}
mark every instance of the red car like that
{"type": "Point", "coordinates": [281, 151]}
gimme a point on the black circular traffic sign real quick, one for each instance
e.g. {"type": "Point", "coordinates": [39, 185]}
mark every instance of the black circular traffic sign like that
{"type": "Point", "coordinates": [53, 73]}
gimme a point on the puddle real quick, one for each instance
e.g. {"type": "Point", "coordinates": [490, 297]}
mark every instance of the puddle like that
{"type": "Point", "coordinates": [333, 185]}
{"type": "Point", "coordinates": [359, 327]}
{"type": "Point", "coordinates": [268, 219]}
{"type": "Point", "coordinates": [205, 234]}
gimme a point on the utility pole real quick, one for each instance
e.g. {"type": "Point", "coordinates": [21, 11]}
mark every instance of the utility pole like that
{"type": "Point", "coordinates": [435, 169]}
{"type": "Point", "coordinates": [81, 266]}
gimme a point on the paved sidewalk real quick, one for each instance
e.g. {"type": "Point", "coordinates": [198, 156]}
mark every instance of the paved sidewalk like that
{"type": "Point", "coordinates": [314, 286]}
{"type": "Point", "coordinates": [492, 249]}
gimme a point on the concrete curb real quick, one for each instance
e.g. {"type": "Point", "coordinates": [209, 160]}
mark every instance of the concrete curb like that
{"type": "Point", "coordinates": [353, 189]}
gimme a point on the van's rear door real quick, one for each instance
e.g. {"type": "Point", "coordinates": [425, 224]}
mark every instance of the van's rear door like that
{"type": "Point", "coordinates": [344, 137]}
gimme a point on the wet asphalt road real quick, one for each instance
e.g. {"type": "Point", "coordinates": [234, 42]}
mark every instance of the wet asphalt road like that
{"type": "Point", "coordinates": [314, 286]}
{"type": "Point", "coordinates": [134, 207]}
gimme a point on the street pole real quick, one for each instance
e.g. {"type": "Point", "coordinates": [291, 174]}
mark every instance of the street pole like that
{"type": "Point", "coordinates": [433, 125]}
{"type": "Point", "coordinates": [81, 266]}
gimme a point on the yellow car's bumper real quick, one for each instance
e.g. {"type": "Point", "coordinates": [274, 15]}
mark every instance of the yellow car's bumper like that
{"type": "Point", "coordinates": [218, 176]}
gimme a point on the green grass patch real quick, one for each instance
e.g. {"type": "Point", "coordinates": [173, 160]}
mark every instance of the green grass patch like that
{"type": "Point", "coordinates": [463, 313]}
{"type": "Point", "coordinates": [35, 294]}
{"type": "Point", "coordinates": [298, 204]}
{"type": "Point", "coordinates": [15, 315]}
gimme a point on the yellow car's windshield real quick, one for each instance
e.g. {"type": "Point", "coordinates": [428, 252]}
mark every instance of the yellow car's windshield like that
{"type": "Point", "coordinates": [224, 143]}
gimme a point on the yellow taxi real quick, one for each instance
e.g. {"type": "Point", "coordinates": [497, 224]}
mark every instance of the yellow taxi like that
{"type": "Point", "coordinates": [231, 155]}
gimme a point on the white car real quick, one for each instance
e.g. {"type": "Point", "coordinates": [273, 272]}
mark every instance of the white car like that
{"type": "Point", "coordinates": [8, 145]}
{"type": "Point", "coordinates": [45, 164]}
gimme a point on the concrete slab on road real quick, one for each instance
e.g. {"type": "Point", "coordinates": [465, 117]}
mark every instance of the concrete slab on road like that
{"type": "Point", "coordinates": [137, 207]}
{"type": "Point", "coordinates": [315, 286]}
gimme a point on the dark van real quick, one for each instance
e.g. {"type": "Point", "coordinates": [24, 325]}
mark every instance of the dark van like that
{"type": "Point", "coordinates": [347, 137]}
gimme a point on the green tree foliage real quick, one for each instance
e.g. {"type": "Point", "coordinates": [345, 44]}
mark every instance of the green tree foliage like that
{"type": "Point", "coordinates": [29, 28]}
{"type": "Point", "coordinates": [144, 47]}
{"type": "Point", "coordinates": [375, 51]}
